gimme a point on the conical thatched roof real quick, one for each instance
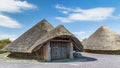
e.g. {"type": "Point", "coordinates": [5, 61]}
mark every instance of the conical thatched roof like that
{"type": "Point", "coordinates": [57, 32]}
{"type": "Point", "coordinates": [38, 35]}
{"type": "Point", "coordinates": [103, 39]}
{"type": "Point", "coordinates": [29, 38]}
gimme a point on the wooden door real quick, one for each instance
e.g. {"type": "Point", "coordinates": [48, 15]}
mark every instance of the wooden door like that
{"type": "Point", "coordinates": [58, 50]}
{"type": "Point", "coordinates": [55, 51]}
{"type": "Point", "coordinates": [63, 51]}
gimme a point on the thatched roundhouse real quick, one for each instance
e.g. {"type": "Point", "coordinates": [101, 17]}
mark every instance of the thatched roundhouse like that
{"type": "Point", "coordinates": [103, 41]}
{"type": "Point", "coordinates": [45, 42]}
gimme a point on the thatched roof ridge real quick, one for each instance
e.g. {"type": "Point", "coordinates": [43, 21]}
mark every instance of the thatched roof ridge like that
{"type": "Point", "coordinates": [56, 32]}
{"type": "Point", "coordinates": [103, 39]}
{"type": "Point", "coordinates": [29, 38]}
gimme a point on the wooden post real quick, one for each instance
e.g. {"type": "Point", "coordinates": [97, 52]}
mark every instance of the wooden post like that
{"type": "Point", "coordinates": [71, 51]}
{"type": "Point", "coordinates": [47, 52]}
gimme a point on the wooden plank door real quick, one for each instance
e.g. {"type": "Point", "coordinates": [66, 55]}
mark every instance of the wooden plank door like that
{"type": "Point", "coordinates": [55, 51]}
{"type": "Point", "coordinates": [58, 50]}
{"type": "Point", "coordinates": [63, 51]}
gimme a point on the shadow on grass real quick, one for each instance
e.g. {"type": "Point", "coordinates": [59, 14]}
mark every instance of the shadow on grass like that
{"type": "Point", "coordinates": [19, 58]}
{"type": "Point", "coordinates": [77, 58]}
{"type": "Point", "coordinates": [80, 59]}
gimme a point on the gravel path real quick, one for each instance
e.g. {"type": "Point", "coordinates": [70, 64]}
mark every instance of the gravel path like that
{"type": "Point", "coordinates": [88, 61]}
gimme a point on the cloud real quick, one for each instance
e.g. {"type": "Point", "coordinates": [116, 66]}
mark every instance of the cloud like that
{"type": "Point", "coordinates": [6, 36]}
{"type": "Point", "coordinates": [78, 14]}
{"type": "Point", "coordinates": [64, 10]}
{"type": "Point", "coordinates": [116, 17]}
{"type": "Point", "coordinates": [8, 22]}
{"type": "Point", "coordinates": [15, 5]}
{"type": "Point", "coordinates": [59, 6]}
{"type": "Point", "coordinates": [12, 6]}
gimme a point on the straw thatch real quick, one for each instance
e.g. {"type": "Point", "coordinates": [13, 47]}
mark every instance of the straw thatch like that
{"type": "Point", "coordinates": [38, 35]}
{"type": "Point", "coordinates": [103, 40]}
{"type": "Point", "coordinates": [59, 31]}
{"type": "Point", "coordinates": [29, 38]}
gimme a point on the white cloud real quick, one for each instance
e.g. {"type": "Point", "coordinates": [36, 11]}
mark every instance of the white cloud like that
{"type": "Point", "coordinates": [12, 6]}
{"type": "Point", "coordinates": [64, 9]}
{"type": "Point", "coordinates": [78, 14]}
{"type": "Point", "coordinates": [8, 22]}
{"type": "Point", "coordinates": [6, 36]}
{"type": "Point", "coordinates": [64, 12]}
{"type": "Point", "coordinates": [63, 19]}
{"type": "Point", "coordinates": [58, 6]}
{"type": "Point", "coordinates": [115, 17]}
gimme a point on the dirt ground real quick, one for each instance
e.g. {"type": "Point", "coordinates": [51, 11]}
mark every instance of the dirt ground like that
{"type": "Point", "coordinates": [88, 60]}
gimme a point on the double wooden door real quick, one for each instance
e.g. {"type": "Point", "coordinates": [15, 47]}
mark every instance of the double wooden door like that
{"type": "Point", "coordinates": [58, 50]}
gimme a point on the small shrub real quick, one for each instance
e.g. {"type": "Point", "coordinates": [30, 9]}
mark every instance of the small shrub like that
{"type": "Point", "coordinates": [4, 42]}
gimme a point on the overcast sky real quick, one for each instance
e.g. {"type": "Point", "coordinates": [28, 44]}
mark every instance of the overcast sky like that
{"type": "Point", "coordinates": [81, 17]}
